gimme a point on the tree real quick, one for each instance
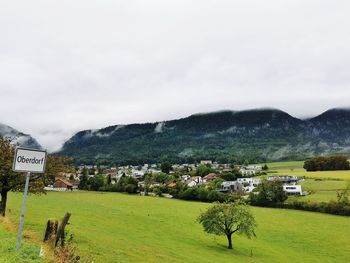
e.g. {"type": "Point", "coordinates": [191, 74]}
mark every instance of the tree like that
{"type": "Point", "coordinates": [83, 183]}
{"type": "Point", "coordinates": [147, 183]}
{"type": "Point", "coordinates": [231, 176]}
{"type": "Point", "coordinates": [96, 182]}
{"type": "Point", "coordinates": [227, 219]}
{"type": "Point", "coordinates": [166, 167]}
{"type": "Point", "coordinates": [329, 163]}
{"type": "Point", "coordinates": [342, 195]}
{"type": "Point", "coordinates": [99, 169]}
{"type": "Point", "coordinates": [127, 184]}
{"type": "Point", "coordinates": [203, 170]}
{"type": "Point", "coordinates": [109, 179]}
{"type": "Point", "coordinates": [160, 177]}
{"type": "Point", "coordinates": [269, 193]}
{"type": "Point", "coordinates": [92, 171]}
{"type": "Point", "coordinates": [265, 167]}
{"type": "Point", "coordinates": [12, 181]}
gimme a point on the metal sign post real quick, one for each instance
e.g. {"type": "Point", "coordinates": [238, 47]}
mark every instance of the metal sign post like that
{"type": "Point", "coordinates": [27, 160]}
{"type": "Point", "coordinates": [20, 229]}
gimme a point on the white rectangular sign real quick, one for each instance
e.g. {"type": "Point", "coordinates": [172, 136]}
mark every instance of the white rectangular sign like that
{"type": "Point", "coordinates": [29, 160]}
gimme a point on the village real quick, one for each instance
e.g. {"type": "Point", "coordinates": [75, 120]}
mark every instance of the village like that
{"type": "Point", "coordinates": [247, 177]}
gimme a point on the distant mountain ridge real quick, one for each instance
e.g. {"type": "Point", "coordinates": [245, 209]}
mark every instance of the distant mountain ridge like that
{"type": "Point", "coordinates": [19, 138]}
{"type": "Point", "coordinates": [253, 135]}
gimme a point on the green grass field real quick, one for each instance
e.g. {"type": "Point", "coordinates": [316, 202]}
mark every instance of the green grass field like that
{"type": "Point", "coordinates": [296, 168]}
{"type": "Point", "coordinates": [8, 252]}
{"type": "Point", "coordinates": [318, 196]}
{"type": "Point", "coordinates": [322, 184]}
{"type": "Point", "coordinates": [114, 227]}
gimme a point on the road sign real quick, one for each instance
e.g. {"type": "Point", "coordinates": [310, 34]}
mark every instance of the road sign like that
{"type": "Point", "coordinates": [29, 160]}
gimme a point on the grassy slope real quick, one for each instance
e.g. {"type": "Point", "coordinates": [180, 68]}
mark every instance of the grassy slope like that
{"type": "Point", "coordinates": [122, 228]}
{"type": "Point", "coordinates": [8, 251]}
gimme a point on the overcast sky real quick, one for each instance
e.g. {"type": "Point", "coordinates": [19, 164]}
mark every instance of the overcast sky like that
{"type": "Point", "coordinates": [81, 64]}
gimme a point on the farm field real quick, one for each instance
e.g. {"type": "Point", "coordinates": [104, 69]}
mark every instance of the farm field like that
{"type": "Point", "coordinates": [321, 190]}
{"type": "Point", "coordinates": [113, 227]}
{"type": "Point", "coordinates": [296, 168]}
{"type": "Point", "coordinates": [322, 185]}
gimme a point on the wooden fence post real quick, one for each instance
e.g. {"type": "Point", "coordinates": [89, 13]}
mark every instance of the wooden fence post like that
{"type": "Point", "coordinates": [49, 235]}
{"type": "Point", "coordinates": [60, 231]}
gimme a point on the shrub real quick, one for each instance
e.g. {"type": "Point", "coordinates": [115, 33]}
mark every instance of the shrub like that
{"type": "Point", "coordinates": [189, 194]}
{"type": "Point", "coordinates": [130, 188]}
{"type": "Point", "coordinates": [202, 194]}
{"type": "Point", "coordinates": [332, 207]}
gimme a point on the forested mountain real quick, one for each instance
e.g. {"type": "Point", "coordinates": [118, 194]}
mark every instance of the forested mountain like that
{"type": "Point", "coordinates": [226, 136]}
{"type": "Point", "coordinates": [19, 138]}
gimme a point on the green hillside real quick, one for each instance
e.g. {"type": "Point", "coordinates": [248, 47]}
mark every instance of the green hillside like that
{"type": "Point", "coordinates": [114, 227]}
{"type": "Point", "coordinates": [227, 136]}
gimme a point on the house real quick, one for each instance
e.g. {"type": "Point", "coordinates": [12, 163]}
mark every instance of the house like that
{"type": "Point", "coordinates": [288, 179]}
{"type": "Point", "coordinates": [195, 180]}
{"type": "Point", "coordinates": [62, 185]}
{"type": "Point", "coordinates": [67, 175]}
{"type": "Point", "coordinates": [246, 172]}
{"type": "Point", "coordinates": [293, 189]}
{"type": "Point", "coordinates": [171, 184]}
{"type": "Point", "coordinates": [75, 185]}
{"type": "Point", "coordinates": [185, 177]}
{"type": "Point", "coordinates": [191, 183]}
{"type": "Point", "coordinates": [249, 184]}
{"type": "Point", "coordinates": [252, 181]}
{"type": "Point", "coordinates": [210, 177]}
{"type": "Point", "coordinates": [153, 170]}
{"type": "Point", "coordinates": [255, 167]}
{"type": "Point", "coordinates": [138, 174]}
{"type": "Point", "coordinates": [205, 162]}
{"type": "Point", "coordinates": [111, 172]}
{"type": "Point", "coordinates": [241, 185]}
{"type": "Point", "coordinates": [230, 187]}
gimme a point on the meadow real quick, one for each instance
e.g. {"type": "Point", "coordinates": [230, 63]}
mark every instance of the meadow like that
{"type": "Point", "coordinates": [296, 168]}
{"type": "Point", "coordinates": [322, 185]}
{"type": "Point", "coordinates": [8, 252]}
{"type": "Point", "coordinates": [8, 239]}
{"type": "Point", "coordinates": [114, 227]}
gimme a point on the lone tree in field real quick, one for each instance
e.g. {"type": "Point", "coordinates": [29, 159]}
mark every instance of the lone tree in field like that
{"type": "Point", "coordinates": [227, 219]}
{"type": "Point", "coordinates": [11, 181]}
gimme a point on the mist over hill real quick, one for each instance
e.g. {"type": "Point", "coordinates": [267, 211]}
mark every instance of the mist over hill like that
{"type": "Point", "coordinates": [227, 136]}
{"type": "Point", "coordinates": [19, 138]}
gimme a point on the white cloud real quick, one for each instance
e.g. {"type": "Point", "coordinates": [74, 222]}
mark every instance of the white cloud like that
{"type": "Point", "coordinates": [72, 65]}
{"type": "Point", "coordinates": [159, 128]}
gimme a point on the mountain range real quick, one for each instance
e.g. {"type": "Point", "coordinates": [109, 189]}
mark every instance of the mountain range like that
{"type": "Point", "coordinates": [257, 135]}
{"type": "Point", "coordinates": [19, 138]}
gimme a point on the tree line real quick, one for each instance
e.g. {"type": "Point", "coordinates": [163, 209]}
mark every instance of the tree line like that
{"type": "Point", "coordinates": [330, 163]}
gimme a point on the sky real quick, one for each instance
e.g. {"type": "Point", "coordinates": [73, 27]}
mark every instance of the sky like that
{"type": "Point", "coordinates": [72, 65]}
